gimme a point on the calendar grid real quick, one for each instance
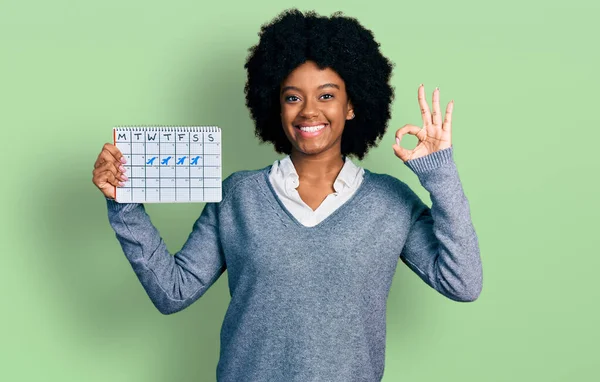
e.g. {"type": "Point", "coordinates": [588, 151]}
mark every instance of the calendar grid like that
{"type": "Point", "coordinates": [162, 169]}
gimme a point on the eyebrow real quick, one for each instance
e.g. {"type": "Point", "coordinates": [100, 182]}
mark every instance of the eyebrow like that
{"type": "Point", "coordinates": [328, 85]}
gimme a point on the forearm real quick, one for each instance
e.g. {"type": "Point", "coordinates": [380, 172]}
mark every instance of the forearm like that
{"type": "Point", "coordinates": [445, 248]}
{"type": "Point", "coordinates": [171, 282]}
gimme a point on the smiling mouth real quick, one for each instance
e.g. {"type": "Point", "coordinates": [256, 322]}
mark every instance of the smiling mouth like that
{"type": "Point", "coordinates": [311, 129]}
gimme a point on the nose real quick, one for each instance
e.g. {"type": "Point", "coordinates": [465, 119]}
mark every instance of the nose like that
{"type": "Point", "coordinates": [309, 110]}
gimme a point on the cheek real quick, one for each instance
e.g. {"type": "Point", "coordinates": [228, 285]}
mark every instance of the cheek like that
{"type": "Point", "coordinates": [287, 114]}
{"type": "Point", "coordinates": [336, 112]}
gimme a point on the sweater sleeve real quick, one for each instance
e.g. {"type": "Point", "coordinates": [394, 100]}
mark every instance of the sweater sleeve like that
{"type": "Point", "coordinates": [173, 282]}
{"type": "Point", "coordinates": [442, 247]}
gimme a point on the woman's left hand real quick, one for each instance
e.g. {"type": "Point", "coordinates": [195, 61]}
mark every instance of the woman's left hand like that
{"type": "Point", "coordinates": [433, 136]}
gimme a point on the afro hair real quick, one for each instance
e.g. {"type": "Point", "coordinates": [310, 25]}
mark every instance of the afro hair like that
{"type": "Point", "coordinates": [337, 42]}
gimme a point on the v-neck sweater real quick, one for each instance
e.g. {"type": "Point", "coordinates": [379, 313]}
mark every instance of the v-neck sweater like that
{"type": "Point", "coordinates": [309, 303]}
{"type": "Point", "coordinates": [285, 180]}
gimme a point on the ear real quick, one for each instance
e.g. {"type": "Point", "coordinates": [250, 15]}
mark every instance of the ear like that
{"type": "Point", "coordinates": [350, 113]}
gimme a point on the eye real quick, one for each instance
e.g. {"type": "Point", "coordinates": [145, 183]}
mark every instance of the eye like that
{"type": "Point", "coordinates": [330, 95]}
{"type": "Point", "coordinates": [287, 99]}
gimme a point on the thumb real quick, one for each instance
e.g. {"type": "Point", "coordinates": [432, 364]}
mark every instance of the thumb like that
{"type": "Point", "coordinates": [400, 151]}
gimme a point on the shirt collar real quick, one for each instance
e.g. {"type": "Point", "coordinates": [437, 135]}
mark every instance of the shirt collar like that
{"type": "Point", "coordinates": [346, 178]}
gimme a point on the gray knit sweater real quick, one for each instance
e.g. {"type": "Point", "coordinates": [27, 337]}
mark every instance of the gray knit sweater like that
{"type": "Point", "coordinates": [309, 303]}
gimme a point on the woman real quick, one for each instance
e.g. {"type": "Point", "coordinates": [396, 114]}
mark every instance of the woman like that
{"type": "Point", "coordinates": [311, 242]}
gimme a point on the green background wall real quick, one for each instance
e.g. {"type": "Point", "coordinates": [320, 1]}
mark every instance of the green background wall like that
{"type": "Point", "coordinates": [525, 134]}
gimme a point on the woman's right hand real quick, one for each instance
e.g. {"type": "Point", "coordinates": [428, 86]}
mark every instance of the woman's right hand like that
{"type": "Point", "coordinates": [109, 171]}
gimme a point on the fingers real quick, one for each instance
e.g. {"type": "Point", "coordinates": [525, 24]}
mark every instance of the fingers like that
{"type": "Point", "coordinates": [407, 129]}
{"type": "Point", "coordinates": [110, 167]}
{"type": "Point", "coordinates": [448, 119]}
{"type": "Point", "coordinates": [106, 181]}
{"type": "Point", "coordinates": [109, 153]}
{"type": "Point", "coordinates": [108, 170]}
{"type": "Point", "coordinates": [400, 151]}
{"type": "Point", "coordinates": [424, 107]}
{"type": "Point", "coordinates": [116, 153]}
{"type": "Point", "coordinates": [428, 118]}
{"type": "Point", "coordinates": [437, 114]}
{"type": "Point", "coordinates": [108, 178]}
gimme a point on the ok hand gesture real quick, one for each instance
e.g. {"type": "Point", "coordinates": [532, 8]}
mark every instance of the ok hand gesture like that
{"type": "Point", "coordinates": [433, 136]}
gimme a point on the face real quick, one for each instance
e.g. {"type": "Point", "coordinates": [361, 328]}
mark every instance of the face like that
{"type": "Point", "coordinates": [314, 110]}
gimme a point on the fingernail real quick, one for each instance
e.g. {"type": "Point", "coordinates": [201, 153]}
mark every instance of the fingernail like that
{"type": "Point", "coordinates": [124, 177]}
{"type": "Point", "coordinates": [123, 160]}
{"type": "Point", "coordinates": [121, 184]}
{"type": "Point", "coordinates": [398, 141]}
{"type": "Point", "coordinates": [121, 168]}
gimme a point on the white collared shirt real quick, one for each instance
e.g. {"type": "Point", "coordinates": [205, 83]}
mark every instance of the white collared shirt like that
{"type": "Point", "coordinates": [285, 181]}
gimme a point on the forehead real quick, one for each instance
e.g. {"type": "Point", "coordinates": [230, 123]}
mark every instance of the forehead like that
{"type": "Point", "coordinates": [308, 75]}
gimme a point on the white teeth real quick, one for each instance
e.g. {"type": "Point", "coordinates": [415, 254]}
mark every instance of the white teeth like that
{"type": "Point", "coordinates": [311, 129]}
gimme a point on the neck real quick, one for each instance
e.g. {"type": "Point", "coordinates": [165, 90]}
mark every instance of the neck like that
{"type": "Point", "coordinates": [317, 169]}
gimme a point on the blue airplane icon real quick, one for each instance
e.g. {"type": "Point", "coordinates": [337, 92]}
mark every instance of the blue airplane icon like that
{"type": "Point", "coordinates": [151, 161]}
{"type": "Point", "coordinates": [180, 161]}
{"type": "Point", "coordinates": [195, 160]}
{"type": "Point", "coordinates": [166, 160]}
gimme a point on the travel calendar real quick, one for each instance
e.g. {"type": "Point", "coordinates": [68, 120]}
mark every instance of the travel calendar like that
{"type": "Point", "coordinates": [170, 164]}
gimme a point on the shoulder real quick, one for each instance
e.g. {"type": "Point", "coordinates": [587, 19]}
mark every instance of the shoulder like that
{"type": "Point", "coordinates": [239, 179]}
{"type": "Point", "coordinates": [387, 182]}
{"type": "Point", "coordinates": [392, 189]}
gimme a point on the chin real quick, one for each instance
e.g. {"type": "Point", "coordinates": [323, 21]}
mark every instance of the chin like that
{"type": "Point", "coordinates": [312, 149]}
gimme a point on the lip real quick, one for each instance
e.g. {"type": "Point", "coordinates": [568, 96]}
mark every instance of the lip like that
{"type": "Point", "coordinates": [306, 134]}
